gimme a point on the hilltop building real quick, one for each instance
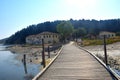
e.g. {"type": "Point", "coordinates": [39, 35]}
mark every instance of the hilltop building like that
{"type": "Point", "coordinates": [48, 37]}
{"type": "Point", "coordinates": [107, 34]}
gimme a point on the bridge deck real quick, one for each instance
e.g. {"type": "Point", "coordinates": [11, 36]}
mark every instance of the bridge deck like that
{"type": "Point", "coordinates": [75, 64]}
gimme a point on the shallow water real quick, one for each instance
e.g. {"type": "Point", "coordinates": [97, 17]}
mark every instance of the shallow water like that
{"type": "Point", "coordinates": [13, 69]}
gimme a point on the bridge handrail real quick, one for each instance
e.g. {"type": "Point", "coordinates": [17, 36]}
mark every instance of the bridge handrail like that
{"type": "Point", "coordinates": [115, 75]}
{"type": "Point", "coordinates": [41, 72]}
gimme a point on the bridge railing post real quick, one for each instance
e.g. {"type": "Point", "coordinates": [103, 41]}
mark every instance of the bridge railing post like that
{"type": "Point", "coordinates": [105, 51]}
{"type": "Point", "coordinates": [24, 63]}
{"type": "Point", "coordinates": [48, 51]}
{"type": "Point", "coordinates": [43, 54]}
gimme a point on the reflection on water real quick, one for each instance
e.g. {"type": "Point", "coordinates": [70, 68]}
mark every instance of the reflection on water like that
{"type": "Point", "coordinates": [12, 69]}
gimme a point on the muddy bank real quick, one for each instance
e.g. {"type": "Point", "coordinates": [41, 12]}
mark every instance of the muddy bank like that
{"type": "Point", "coordinates": [24, 49]}
{"type": "Point", "coordinates": [113, 50]}
{"type": "Point", "coordinates": [33, 53]}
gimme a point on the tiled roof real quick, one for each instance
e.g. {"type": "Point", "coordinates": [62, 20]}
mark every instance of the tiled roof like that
{"type": "Point", "coordinates": [43, 33]}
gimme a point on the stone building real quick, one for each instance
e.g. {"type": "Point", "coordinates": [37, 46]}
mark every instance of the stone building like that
{"type": "Point", "coordinates": [107, 34]}
{"type": "Point", "coordinates": [48, 37]}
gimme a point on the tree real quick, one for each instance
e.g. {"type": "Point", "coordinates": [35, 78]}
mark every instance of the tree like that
{"type": "Point", "coordinates": [81, 32]}
{"type": "Point", "coordinates": [65, 29]}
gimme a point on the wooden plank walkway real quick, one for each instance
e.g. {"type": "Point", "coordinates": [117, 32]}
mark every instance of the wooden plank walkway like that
{"type": "Point", "coordinates": [75, 64]}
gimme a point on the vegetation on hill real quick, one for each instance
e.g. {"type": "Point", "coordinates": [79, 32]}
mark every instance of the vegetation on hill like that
{"type": "Point", "coordinates": [84, 27]}
{"type": "Point", "coordinates": [2, 41]}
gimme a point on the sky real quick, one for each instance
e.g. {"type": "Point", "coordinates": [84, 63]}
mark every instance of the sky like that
{"type": "Point", "coordinates": [18, 14]}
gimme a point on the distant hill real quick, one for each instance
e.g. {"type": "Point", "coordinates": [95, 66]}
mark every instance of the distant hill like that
{"type": "Point", "coordinates": [91, 27]}
{"type": "Point", "coordinates": [2, 41]}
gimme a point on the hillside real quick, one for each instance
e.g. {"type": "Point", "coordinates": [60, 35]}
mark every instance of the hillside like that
{"type": "Point", "coordinates": [91, 27]}
{"type": "Point", "coordinates": [2, 41]}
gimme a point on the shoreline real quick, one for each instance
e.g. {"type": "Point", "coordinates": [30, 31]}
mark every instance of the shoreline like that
{"type": "Point", "coordinates": [113, 50]}
{"type": "Point", "coordinates": [33, 53]}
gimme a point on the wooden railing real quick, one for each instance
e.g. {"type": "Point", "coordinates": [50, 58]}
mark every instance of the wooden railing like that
{"type": "Point", "coordinates": [107, 67]}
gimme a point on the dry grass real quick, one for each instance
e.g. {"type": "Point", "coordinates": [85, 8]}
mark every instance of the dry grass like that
{"type": "Point", "coordinates": [87, 42]}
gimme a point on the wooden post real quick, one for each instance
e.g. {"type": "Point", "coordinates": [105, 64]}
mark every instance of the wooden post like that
{"type": "Point", "coordinates": [43, 54]}
{"type": "Point", "coordinates": [24, 58]}
{"type": "Point", "coordinates": [48, 51]}
{"type": "Point", "coordinates": [24, 63]}
{"type": "Point", "coordinates": [105, 51]}
{"type": "Point", "coordinates": [76, 37]}
{"type": "Point", "coordinates": [54, 47]}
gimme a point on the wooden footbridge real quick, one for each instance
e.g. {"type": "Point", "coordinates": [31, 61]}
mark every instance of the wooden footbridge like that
{"type": "Point", "coordinates": [73, 63]}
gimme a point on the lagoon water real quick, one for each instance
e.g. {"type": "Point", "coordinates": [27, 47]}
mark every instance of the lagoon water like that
{"type": "Point", "coordinates": [13, 69]}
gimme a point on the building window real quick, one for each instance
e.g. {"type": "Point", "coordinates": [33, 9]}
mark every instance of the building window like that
{"type": "Point", "coordinates": [44, 36]}
{"type": "Point", "coordinates": [112, 35]}
{"type": "Point", "coordinates": [49, 36]}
